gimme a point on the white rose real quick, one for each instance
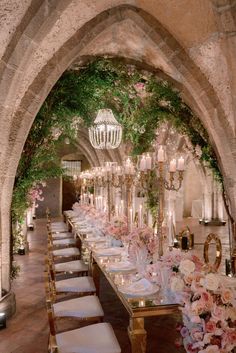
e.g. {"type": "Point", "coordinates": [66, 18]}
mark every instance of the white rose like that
{"type": "Point", "coordinates": [176, 284]}
{"type": "Point", "coordinates": [210, 282]}
{"type": "Point", "coordinates": [186, 267]}
{"type": "Point", "coordinates": [231, 313]}
{"type": "Point", "coordinates": [210, 349]}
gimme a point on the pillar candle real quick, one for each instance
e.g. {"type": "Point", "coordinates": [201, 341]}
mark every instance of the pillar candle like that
{"type": "Point", "coordinates": [170, 237]}
{"type": "Point", "coordinates": [140, 216]}
{"type": "Point", "coordinates": [148, 162]}
{"type": "Point", "coordinates": [160, 154]}
{"type": "Point", "coordinates": [181, 164]}
{"type": "Point", "coordinates": [131, 218]}
{"type": "Point", "coordinates": [142, 165]}
{"type": "Point", "coordinates": [122, 207]}
{"type": "Point", "coordinates": [173, 165]}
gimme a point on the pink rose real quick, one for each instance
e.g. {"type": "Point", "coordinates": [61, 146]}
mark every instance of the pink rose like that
{"type": "Point", "coordinates": [190, 348]}
{"type": "Point", "coordinates": [210, 349]}
{"type": "Point", "coordinates": [227, 296]}
{"type": "Point", "coordinates": [198, 307]}
{"type": "Point", "coordinates": [218, 313]}
{"type": "Point", "coordinates": [211, 326]}
{"type": "Point", "coordinates": [196, 334]}
{"type": "Point", "coordinates": [229, 339]}
{"type": "Point", "coordinates": [196, 319]}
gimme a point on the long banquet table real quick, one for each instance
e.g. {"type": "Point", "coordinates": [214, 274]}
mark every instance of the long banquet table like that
{"type": "Point", "coordinates": [137, 307]}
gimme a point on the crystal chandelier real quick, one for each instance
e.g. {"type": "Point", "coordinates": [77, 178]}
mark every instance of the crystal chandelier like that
{"type": "Point", "coordinates": [106, 132]}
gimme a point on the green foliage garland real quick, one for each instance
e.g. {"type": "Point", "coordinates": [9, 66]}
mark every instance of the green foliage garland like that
{"type": "Point", "coordinates": [139, 100]}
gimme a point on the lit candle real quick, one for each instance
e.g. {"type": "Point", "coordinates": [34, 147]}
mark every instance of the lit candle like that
{"type": "Point", "coordinates": [132, 169]}
{"type": "Point", "coordinates": [170, 238]}
{"type": "Point", "coordinates": [131, 218]}
{"type": "Point", "coordinates": [181, 164]}
{"type": "Point", "coordinates": [122, 207]}
{"type": "Point", "coordinates": [127, 166]}
{"type": "Point", "coordinates": [116, 210]}
{"type": "Point", "coordinates": [118, 170]}
{"type": "Point", "coordinates": [173, 165]}
{"type": "Point", "coordinates": [160, 155]}
{"type": "Point", "coordinates": [140, 218]}
{"type": "Point", "coordinates": [148, 162]}
{"type": "Point", "coordinates": [142, 303]}
{"type": "Point", "coordinates": [142, 165]}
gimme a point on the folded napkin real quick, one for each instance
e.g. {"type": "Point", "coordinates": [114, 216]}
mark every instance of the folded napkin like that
{"type": "Point", "coordinates": [142, 285]}
{"type": "Point", "coordinates": [119, 266]}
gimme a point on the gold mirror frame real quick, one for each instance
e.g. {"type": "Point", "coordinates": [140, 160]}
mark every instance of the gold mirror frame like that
{"type": "Point", "coordinates": [218, 259]}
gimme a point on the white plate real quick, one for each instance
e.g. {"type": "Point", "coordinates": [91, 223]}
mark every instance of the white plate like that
{"type": "Point", "coordinates": [108, 252]}
{"type": "Point", "coordinates": [141, 288]}
{"type": "Point", "coordinates": [121, 266]}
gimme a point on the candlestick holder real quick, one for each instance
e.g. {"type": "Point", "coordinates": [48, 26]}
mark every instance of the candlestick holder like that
{"type": "Point", "coordinates": [163, 185]}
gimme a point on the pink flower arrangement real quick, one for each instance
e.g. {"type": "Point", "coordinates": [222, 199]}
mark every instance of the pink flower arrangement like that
{"type": "Point", "coordinates": [118, 228]}
{"type": "Point", "coordinates": [140, 88]}
{"type": "Point", "coordinates": [35, 194]}
{"type": "Point", "coordinates": [143, 237]}
{"type": "Point", "coordinates": [209, 320]}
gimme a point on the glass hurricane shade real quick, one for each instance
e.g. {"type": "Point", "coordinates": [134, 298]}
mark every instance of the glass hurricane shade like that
{"type": "Point", "coordinates": [106, 132]}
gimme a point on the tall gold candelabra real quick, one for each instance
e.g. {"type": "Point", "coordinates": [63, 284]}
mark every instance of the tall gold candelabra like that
{"type": "Point", "coordinates": [146, 165]}
{"type": "Point", "coordinates": [162, 185]}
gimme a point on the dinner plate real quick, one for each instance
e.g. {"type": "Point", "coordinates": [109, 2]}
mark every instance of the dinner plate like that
{"type": "Point", "coordinates": [108, 252]}
{"type": "Point", "coordinates": [141, 288]}
{"type": "Point", "coordinates": [120, 266]}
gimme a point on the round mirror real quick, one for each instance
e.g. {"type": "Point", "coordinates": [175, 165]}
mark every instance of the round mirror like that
{"type": "Point", "coordinates": [212, 252]}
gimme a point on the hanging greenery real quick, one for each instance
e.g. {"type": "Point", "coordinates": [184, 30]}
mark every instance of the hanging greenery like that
{"type": "Point", "coordinates": [140, 101]}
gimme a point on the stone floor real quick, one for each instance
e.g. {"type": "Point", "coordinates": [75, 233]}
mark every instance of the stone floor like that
{"type": "Point", "coordinates": [27, 330]}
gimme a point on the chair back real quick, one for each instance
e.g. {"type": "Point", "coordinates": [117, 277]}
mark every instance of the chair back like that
{"type": "Point", "coordinates": [51, 321]}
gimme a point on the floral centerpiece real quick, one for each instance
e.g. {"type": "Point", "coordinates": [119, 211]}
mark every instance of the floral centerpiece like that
{"type": "Point", "coordinates": [141, 237]}
{"type": "Point", "coordinates": [118, 228]}
{"type": "Point", "coordinates": [142, 246]}
{"type": "Point", "coordinates": [208, 305]}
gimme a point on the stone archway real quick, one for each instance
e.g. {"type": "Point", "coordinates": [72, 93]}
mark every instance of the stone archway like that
{"type": "Point", "coordinates": [57, 38]}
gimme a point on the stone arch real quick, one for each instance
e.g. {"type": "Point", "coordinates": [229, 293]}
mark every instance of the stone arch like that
{"type": "Point", "coordinates": [28, 98]}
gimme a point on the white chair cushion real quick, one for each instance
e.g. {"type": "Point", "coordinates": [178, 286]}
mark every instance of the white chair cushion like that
{"type": "Point", "coordinates": [56, 224]}
{"type": "Point", "coordinates": [66, 241]}
{"type": "Point", "coordinates": [63, 235]}
{"type": "Point", "coordinates": [66, 252]}
{"type": "Point", "coordinates": [59, 229]}
{"type": "Point", "coordinates": [88, 306]}
{"type": "Point", "coordinates": [76, 284]}
{"type": "Point", "coordinates": [97, 338]}
{"type": "Point", "coordinates": [71, 266]}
